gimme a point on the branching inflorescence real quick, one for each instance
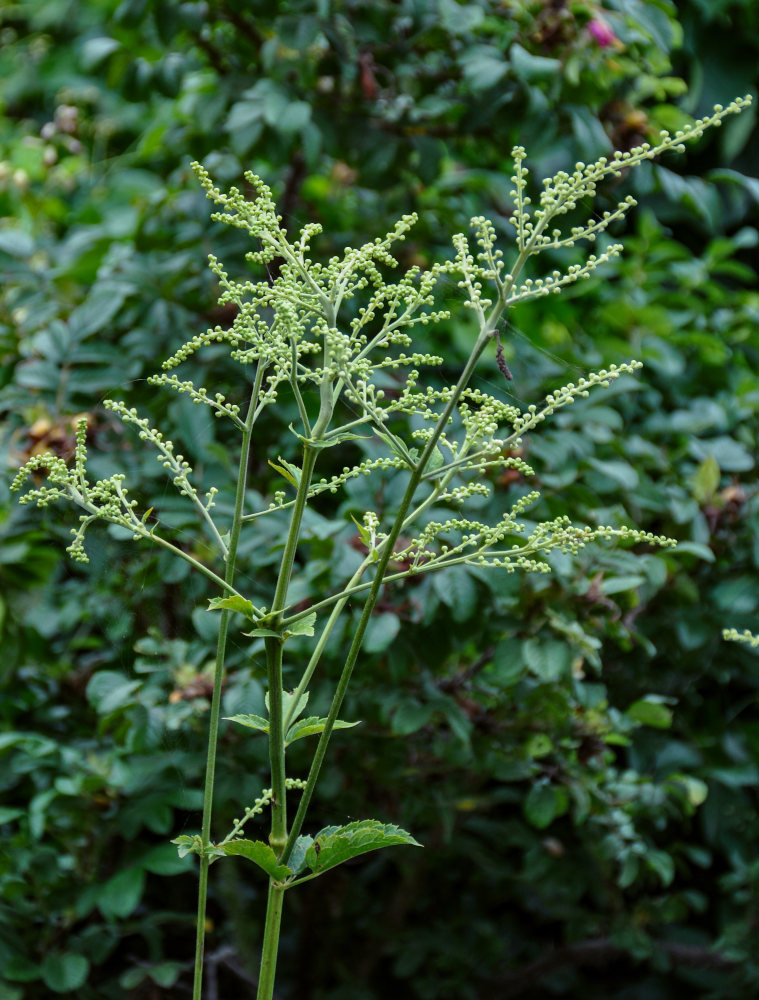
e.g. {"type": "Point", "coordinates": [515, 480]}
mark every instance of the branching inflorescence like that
{"type": "Point", "coordinates": [335, 336]}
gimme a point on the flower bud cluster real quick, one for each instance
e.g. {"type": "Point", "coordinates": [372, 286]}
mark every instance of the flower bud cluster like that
{"type": "Point", "coordinates": [174, 464]}
{"type": "Point", "coordinates": [342, 327]}
{"type": "Point", "coordinates": [535, 289]}
{"type": "Point", "coordinates": [362, 469]}
{"type": "Point", "coordinates": [106, 499]}
{"type": "Point", "coordinates": [570, 392]}
{"type": "Point", "coordinates": [217, 403]}
{"type": "Point", "coordinates": [746, 637]}
{"type": "Point", "coordinates": [463, 541]}
{"type": "Point", "coordinates": [563, 192]}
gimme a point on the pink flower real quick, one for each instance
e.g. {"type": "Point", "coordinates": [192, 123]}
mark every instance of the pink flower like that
{"type": "Point", "coordinates": [601, 32]}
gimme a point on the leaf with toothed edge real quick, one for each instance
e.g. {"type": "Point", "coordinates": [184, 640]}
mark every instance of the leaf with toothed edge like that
{"type": "Point", "coordinates": [312, 726]}
{"type": "Point", "coordinates": [251, 721]}
{"type": "Point", "coordinates": [335, 844]}
{"type": "Point", "coordinates": [287, 700]}
{"type": "Point", "coordinates": [260, 854]}
{"type": "Point", "coordinates": [290, 472]}
{"type": "Point", "coordinates": [233, 603]}
{"type": "Point", "coordinates": [297, 860]}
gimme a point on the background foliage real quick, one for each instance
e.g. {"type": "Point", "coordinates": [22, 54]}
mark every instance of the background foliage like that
{"type": "Point", "coordinates": [578, 753]}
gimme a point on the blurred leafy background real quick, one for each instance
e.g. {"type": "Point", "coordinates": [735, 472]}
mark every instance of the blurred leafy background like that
{"type": "Point", "coordinates": [579, 753]}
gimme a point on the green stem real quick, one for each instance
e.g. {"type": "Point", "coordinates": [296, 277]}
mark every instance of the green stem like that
{"type": "Point", "coordinates": [278, 834]}
{"type": "Point", "coordinates": [487, 329]}
{"type": "Point", "coordinates": [268, 968]}
{"type": "Point", "coordinates": [378, 581]}
{"type": "Point", "coordinates": [274, 646]}
{"type": "Point", "coordinates": [296, 390]}
{"type": "Point", "coordinates": [140, 529]}
{"type": "Point", "coordinates": [342, 600]}
{"type": "Point", "coordinates": [225, 583]}
{"type": "Point", "coordinates": [353, 587]}
{"type": "Point", "coordinates": [213, 724]}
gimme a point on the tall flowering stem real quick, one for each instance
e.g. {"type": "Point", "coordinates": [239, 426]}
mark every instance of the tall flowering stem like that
{"type": "Point", "coordinates": [330, 336]}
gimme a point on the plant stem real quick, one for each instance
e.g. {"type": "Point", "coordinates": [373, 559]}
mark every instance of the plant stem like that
{"type": "Point", "coordinates": [278, 834]}
{"type": "Point", "coordinates": [274, 646]}
{"type": "Point", "coordinates": [342, 600]}
{"type": "Point", "coordinates": [213, 723]}
{"type": "Point", "coordinates": [377, 583]}
{"type": "Point", "coordinates": [487, 329]}
{"type": "Point", "coordinates": [271, 942]}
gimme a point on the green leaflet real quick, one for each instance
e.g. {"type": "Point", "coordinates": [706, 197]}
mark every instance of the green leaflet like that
{"type": "Point", "coordinates": [187, 844]}
{"type": "Point", "coordinates": [304, 626]}
{"type": "Point", "coordinates": [335, 844]}
{"type": "Point", "coordinates": [435, 460]}
{"type": "Point", "coordinates": [304, 727]}
{"type": "Point", "coordinates": [312, 726]}
{"type": "Point", "coordinates": [251, 721]}
{"type": "Point", "coordinates": [337, 437]}
{"type": "Point", "coordinates": [396, 446]}
{"type": "Point", "coordinates": [193, 844]}
{"type": "Point", "coordinates": [287, 699]}
{"type": "Point", "coordinates": [332, 438]}
{"type": "Point", "coordinates": [260, 854]}
{"type": "Point", "coordinates": [368, 538]}
{"type": "Point", "coordinates": [297, 859]}
{"type": "Point", "coordinates": [290, 472]}
{"type": "Point", "coordinates": [233, 603]}
{"type": "Point", "coordinates": [363, 533]}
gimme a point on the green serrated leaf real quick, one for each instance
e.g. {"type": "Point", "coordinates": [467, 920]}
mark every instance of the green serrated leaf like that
{"type": "Point", "coordinates": [397, 447]}
{"type": "Point", "coordinates": [298, 857]}
{"type": "Point", "coordinates": [251, 721]}
{"type": "Point", "coordinates": [260, 854]}
{"type": "Point", "coordinates": [435, 460]}
{"type": "Point", "coordinates": [335, 844]}
{"type": "Point", "coordinates": [233, 603]}
{"type": "Point", "coordinates": [290, 472]}
{"type": "Point", "coordinates": [304, 626]}
{"type": "Point", "coordinates": [339, 437]}
{"type": "Point", "coordinates": [287, 700]}
{"type": "Point", "coordinates": [187, 844]}
{"type": "Point", "coordinates": [312, 726]}
{"type": "Point", "coordinates": [363, 533]}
